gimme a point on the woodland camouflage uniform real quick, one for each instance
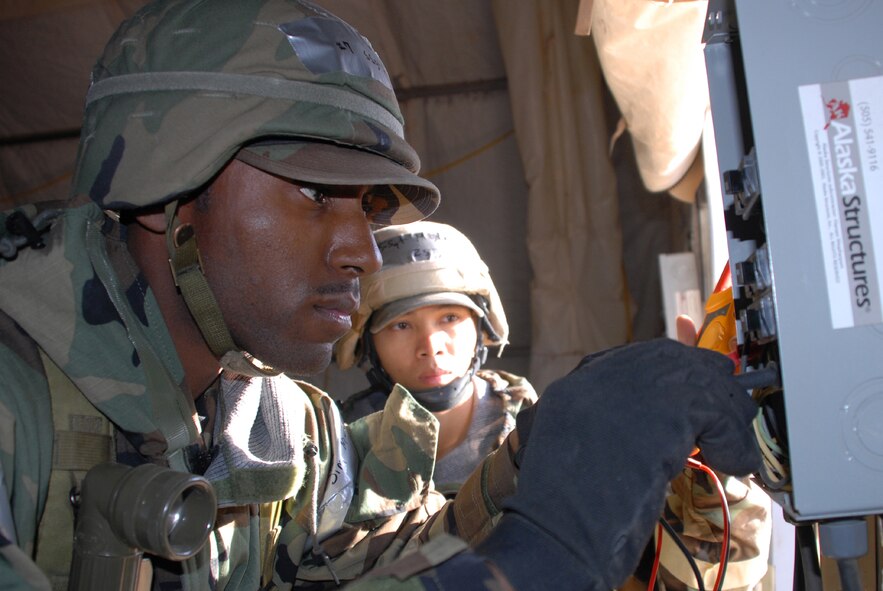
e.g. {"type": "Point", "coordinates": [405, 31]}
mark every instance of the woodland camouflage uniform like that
{"type": "Point", "coordinates": [508, 392]}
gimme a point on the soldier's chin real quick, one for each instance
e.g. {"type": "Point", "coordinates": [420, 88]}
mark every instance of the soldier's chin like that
{"type": "Point", "coordinates": [307, 361]}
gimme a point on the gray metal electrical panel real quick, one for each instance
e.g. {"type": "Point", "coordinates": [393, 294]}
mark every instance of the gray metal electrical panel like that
{"type": "Point", "coordinates": [796, 92]}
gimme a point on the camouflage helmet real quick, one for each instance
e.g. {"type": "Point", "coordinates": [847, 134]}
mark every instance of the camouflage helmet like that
{"type": "Point", "coordinates": [424, 264]}
{"type": "Point", "coordinates": [183, 85]}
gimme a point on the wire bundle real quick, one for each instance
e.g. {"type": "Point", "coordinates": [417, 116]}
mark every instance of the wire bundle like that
{"type": "Point", "coordinates": [725, 541]}
{"type": "Point", "coordinates": [774, 472]}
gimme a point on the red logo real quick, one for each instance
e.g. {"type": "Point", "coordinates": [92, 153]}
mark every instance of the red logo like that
{"type": "Point", "coordinates": [837, 109]}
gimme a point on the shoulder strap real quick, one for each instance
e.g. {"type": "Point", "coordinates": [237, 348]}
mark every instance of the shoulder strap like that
{"type": "Point", "coordinates": [83, 438]}
{"type": "Point", "coordinates": [270, 518]}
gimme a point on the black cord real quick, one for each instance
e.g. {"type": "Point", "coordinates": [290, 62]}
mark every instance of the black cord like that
{"type": "Point", "coordinates": [760, 378]}
{"type": "Point", "coordinates": [807, 574]}
{"type": "Point", "coordinates": [700, 585]}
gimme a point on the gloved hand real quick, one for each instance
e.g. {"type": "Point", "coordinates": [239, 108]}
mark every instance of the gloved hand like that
{"type": "Point", "coordinates": [524, 418]}
{"type": "Point", "coordinates": [604, 442]}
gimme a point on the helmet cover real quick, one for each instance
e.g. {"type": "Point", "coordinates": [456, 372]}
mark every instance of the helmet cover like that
{"type": "Point", "coordinates": [184, 84]}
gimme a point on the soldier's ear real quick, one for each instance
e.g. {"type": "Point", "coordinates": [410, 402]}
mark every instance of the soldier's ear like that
{"type": "Point", "coordinates": [155, 221]}
{"type": "Point", "coordinates": [154, 218]}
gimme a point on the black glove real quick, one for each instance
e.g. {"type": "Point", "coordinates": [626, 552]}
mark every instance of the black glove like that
{"type": "Point", "coordinates": [604, 442]}
{"type": "Point", "coordinates": [524, 418]}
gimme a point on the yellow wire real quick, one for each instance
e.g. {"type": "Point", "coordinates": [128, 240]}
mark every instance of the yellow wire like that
{"type": "Point", "coordinates": [469, 156]}
{"type": "Point", "coordinates": [16, 196]}
{"type": "Point", "coordinates": [772, 465]}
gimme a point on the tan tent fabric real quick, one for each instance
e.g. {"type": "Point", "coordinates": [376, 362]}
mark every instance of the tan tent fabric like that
{"type": "Point", "coordinates": [31, 173]}
{"type": "Point", "coordinates": [575, 246]}
{"type": "Point", "coordinates": [651, 55]}
{"type": "Point", "coordinates": [458, 94]}
{"type": "Point", "coordinates": [49, 49]}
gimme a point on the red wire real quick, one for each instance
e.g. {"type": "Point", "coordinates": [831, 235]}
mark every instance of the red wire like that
{"type": "Point", "coordinates": [653, 572]}
{"type": "Point", "coordinates": [724, 281]}
{"type": "Point", "coordinates": [725, 543]}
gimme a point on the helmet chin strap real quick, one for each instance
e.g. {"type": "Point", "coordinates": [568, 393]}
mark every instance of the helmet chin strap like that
{"type": "Point", "coordinates": [448, 396]}
{"type": "Point", "coordinates": [434, 399]}
{"type": "Point", "coordinates": [186, 266]}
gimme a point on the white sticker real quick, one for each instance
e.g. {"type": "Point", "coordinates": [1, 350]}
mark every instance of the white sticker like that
{"type": "Point", "coordinates": [843, 122]}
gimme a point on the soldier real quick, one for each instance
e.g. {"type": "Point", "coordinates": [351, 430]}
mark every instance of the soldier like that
{"type": "Point", "coordinates": [434, 291]}
{"type": "Point", "coordinates": [267, 131]}
{"type": "Point", "coordinates": [426, 321]}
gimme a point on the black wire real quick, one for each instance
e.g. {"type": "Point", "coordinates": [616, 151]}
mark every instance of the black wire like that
{"type": "Point", "coordinates": [759, 378]}
{"type": "Point", "coordinates": [700, 585]}
{"type": "Point", "coordinates": [807, 574]}
{"type": "Point", "coordinates": [774, 485]}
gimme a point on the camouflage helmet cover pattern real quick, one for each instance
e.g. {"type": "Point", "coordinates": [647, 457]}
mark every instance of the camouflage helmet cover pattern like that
{"type": "Point", "coordinates": [419, 259]}
{"type": "Point", "coordinates": [184, 84]}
